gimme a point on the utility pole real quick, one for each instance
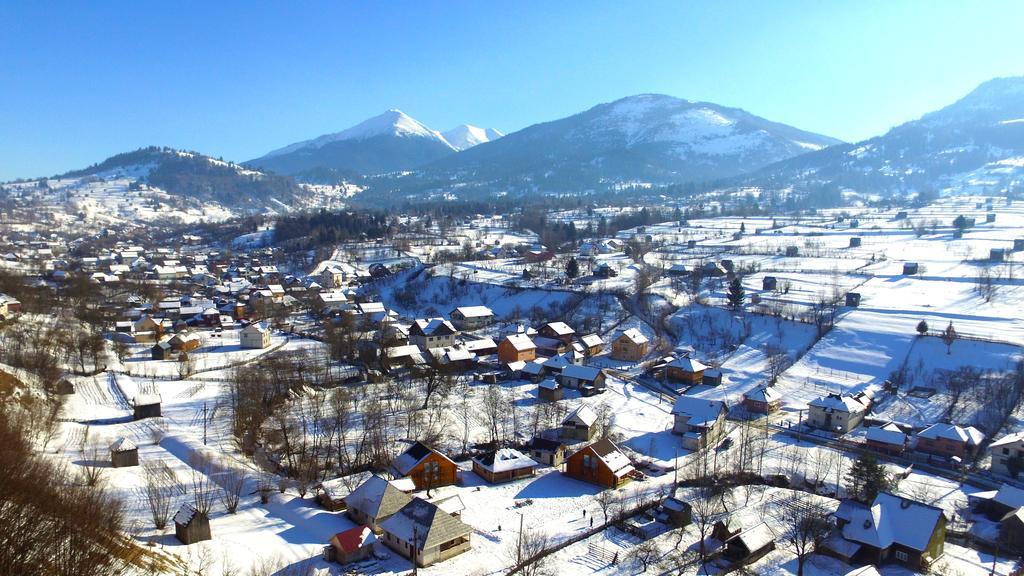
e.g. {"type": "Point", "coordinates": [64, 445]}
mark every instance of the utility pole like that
{"type": "Point", "coordinates": [205, 420]}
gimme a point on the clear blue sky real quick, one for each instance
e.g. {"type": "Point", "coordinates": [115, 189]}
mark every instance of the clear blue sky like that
{"type": "Point", "coordinates": [80, 81]}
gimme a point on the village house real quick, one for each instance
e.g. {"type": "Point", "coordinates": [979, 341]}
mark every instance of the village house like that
{"type": "Point", "coordinates": [588, 380]}
{"type": "Point", "coordinates": [546, 451]}
{"type": "Point", "coordinates": [1008, 454]}
{"type": "Point", "coordinates": [191, 525]}
{"type": "Point", "coordinates": [949, 440]}
{"type": "Point", "coordinates": [630, 346]}
{"type": "Point", "coordinates": [888, 439]}
{"type": "Point", "coordinates": [892, 529]}
{"type": "Point", "coordinates": [472, 317]}
{"type": "Point", "coordinates": [592, 344]}
{"type": "Point", "coordinates": [750, 545]}
{"type": "Point", "coordinates": [700, 422]}
{"type": "Point", "coordinates": [549, 390]}
{"type": "Point", "coordinates": [558, 331]}
{"type": "Point", "coordinates": [600, 463]}
{"type": "Point", "coordinates": [837, 413]}
{"type": "Point", "coordinates": [504, 465]}
{"type": "Point", "coordinates": [580, 424]}
{"type": "Point", "coordinates": [762, 400]}
{"type": "Point", "coordinates": [516, 348]}
{"type": "Point", "coordinates": [685, 369]}
{"type": "Point", "coordinates": [427, 467]}
{"type": "Point", "coordinates": [255, 335]}
{"type": "Point", "coordinates": [352, 545]}
{"type": "Point", "coordinates": [374, 501]}
{"type": "Point", "coordinates": [997, 504]}
{"type": "Point", "coordinates": [432, 333]}
{"type": "Point", "coordinates": [123, 453]}
{"type": "Point", "coordinates": [425, 534]}
{"type": "Point", "coordinates": [185, 341]}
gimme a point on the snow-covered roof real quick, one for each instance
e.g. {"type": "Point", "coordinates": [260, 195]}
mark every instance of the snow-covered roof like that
{"type": "Point", "coordinates": [560, 328]}
{"type": "Point", "coordinates": [591, 340]}
{"type": "Point", "coordinates": [147, 399]}
{"type": "Point", "coordinates": [549, 383]}
{"type": "Point", "coordinates": [634, 336]}
{"type": "Point", "coordinates": [520, 342]}
{"type": "Point", "coordinates": [123, 445]}
{"type": "Point", "coordinates": [838, 403]}
{"type": "Point", "coordinates": [757, 537]}
{"type": "Point", "coordinates": [701, 412]}
{"type": "Point", "coordinates": [475, 311]}
{"type": "Point", "coordinates": [687, 364]}
{"type": "Point", "coordinates": [412, 456]}
{"type": "Point", "coordinates": [432, 327]}
{"type": "Point", "coordinates": [892, 520]}
{"type": "Point", "coordinates": [969, 435]}
{"type": "Point", "coordinates": [354, 538]}
{"type": "Point", "coordinates": [1008, 439]}
{"type": "Point", "coordinates": [1009, 496]}
{"type": "Point", "coordinates": [617, 462]}
{"type": "Point", "coordinates": [586, 373]}
{"type": "Point", "coordinates": [766, 394]}
{"type": "Point", "coordinates": [185, 514]}
{"type": "Point", "coordinates": [888, 434]}
{"type": "Point", "coordinates": [430, 525]}
{"type": "Point", "coordinates": [377, 497]}
{"type": "Point", "coordinates": [504, 460]}
{"type": "Point", "coordinates": [339, 488]}
{"type": "Point", "coordinates": [581, 415]}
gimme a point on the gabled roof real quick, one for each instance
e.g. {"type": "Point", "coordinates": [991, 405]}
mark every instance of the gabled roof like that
{"type": "Point", "coordinates": [504, 460]}
{"type": "Point", "coordinates": [475, 311]}
{"type": "Point", "coordinates": [888, 434]}
{"type": "Point", "coordinates": [585, 373]}
{"type": "Point", "coordinates": [185, 514]}
{"type": "Point", "coordinates": [544, 444]}
{"type": "Point", "coordinates": [755, 538]}
{"type": "Point", "coordinates": [432, 327]}
{"type": "Point", "coordinates": [591, 340]}
{"type": "Point", "coordinates": [146, 399]}
{"type": "Point", "coordinates": [425, 523]}
{"type": "Point", "coordinates": [701, 412]}
{"type": "Point", "coordinates": [634, 336]}
{"type": "Point", "coordinates": [412, 456]}
{"type": "Point", "coordinates": [839, 403]}
{"type": "Point", "coordinates": [608, 453]}
{"type": "Point", "coordinates": [560, 328]}
{"type": "Point", "coordinates": [354, 538]}
{"type": "Point", "coordinates": [892, 520]}
{"type": "Point", "coordinates": [687, 364]}
{"type": "Point", "coordinates": [766, 394]}
{"type": "Point", "coordinates": [123, 445]}
{"type": "Point", "coordinates": [521, 342]}
{"type": "Point", "coordinates": [377, 498]}
{"type": "Point", "coordinates": [582, 415]}
{"type": "Point", "coordinates": [1008, 439]}
{"type": "Point", "coordinates": [969, 435]}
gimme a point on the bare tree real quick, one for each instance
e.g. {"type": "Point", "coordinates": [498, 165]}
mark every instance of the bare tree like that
{"type": "Point", "coordinates": [805, 522]}
{"type": "Point", "coordinates": [231, 482]}
{"type": "Point", "coordinates": [529, 554]}
{"type": "Point", "coordinates": [609, 501]}
{"type": "Point", "coordinates": [707, 509]}
{"type": "Point", "coordinates": [159, 494]}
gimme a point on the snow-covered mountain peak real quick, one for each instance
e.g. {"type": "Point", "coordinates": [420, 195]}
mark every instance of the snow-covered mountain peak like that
{"type": "Point", "coordinates": [393, 122]}
{"type": "Point", "coordinates": [466, 136]}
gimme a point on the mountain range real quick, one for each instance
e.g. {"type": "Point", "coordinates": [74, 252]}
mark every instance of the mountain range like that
{"type": "Point", "coordinates": [652, 139]}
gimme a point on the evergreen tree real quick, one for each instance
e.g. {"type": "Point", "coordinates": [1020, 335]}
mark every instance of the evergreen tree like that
{"type": "Point", "coordinates": [736, 293]}
{"type": "Point", "coordinates": [572, 269]}
{"type": "Point", "coordinates": [866, 478]}
{"type": "Point", "coordinates": [922, 327]}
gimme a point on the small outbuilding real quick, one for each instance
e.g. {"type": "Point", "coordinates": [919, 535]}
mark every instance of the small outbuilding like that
{"type": "Point", "coordinates": [504, 465]}
{"type": "Point", "coordinates": [769, 283]}
{"type": "Point", "coordinates": [124, 453]}
{"type": "Point", "coordinates": [853, 299]}
{"type": "Point", "coordinates": [546, 451]}
{"type": "Point", "coordinates": [549, 390]}
{"type": "Point", "coordinates": [352, 545]}
{"type": "Point", "coordinates": [146, 406]}
{"type": "Point", "coordinates": [910, 268]}
{"type": "Point", "coordinates": [855, 242]}
{"type": "Point", "coordinates": [191, 525]}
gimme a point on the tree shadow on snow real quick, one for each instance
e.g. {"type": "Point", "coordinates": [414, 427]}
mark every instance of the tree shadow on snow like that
{"type": "Point", "coordinates": [557, 485]}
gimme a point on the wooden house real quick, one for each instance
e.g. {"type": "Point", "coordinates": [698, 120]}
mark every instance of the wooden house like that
{"type": "Point", "coordinates": [546, 451]}
{"type": "Point", "coordinates": [161, 350]}
{"type": "Point", "coordinates": [504, 465]}
{"type": "Point", "coordinates": [124, 453]}
{"type": "Point", "coordinates": [592, 344]}
{"type": "Point", "coordinates": [630, 346]}
{"type": "Point", "coordinates": [427, 467]}
{"type": "Point", "coordinates": [750, 545]}
{"type": "Point", "coordinates": [185, 341]}
{"type": "Point", "coordinates": [580, 424]}
{"type": "Point", "coordinates": [887, 439]}
{"type": "Point", "coordinates": [191, 525]}
{"type": "Point", "coordinates": [699, 421]}
{"type": "Point", "coordinates": [685, 369]}
{"type": "Point", "coordinates": [516, 348]}
{"type": "Point", "coordinates": [558, 331]}
{"type": "Point", "coordinates": [471, 317]}
{"type": "Point", "coordinates": [762, 400]}
{"type": "Point", "coordinates": [352, 545]}
{"type": "Point", "coordinates": [600, 463]}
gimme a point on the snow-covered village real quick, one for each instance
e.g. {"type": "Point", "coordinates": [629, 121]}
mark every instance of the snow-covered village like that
{"type": "Point", "coordinates": [659, 336]}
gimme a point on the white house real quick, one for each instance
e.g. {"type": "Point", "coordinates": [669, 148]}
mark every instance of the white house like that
{"type": "Point", "coordinates": [837, 413]}
{"type": "Point", "coordinates": [1006, 449]}
{"type": "Point", "coordinates": [255, 335]}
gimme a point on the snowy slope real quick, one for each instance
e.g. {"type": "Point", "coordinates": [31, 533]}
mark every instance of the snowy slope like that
{"type": "Point", "coordinates": [391, 123]}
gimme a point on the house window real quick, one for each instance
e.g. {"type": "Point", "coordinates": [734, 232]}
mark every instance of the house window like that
{"type": "Point", "coordinates": [432, 470]}
{"type": "Point", "coordinates": [1006, 450]}
{"type": "Point", "coordinates": [901, 556]}
{"type": "Point", "coordinates": [589, 464]}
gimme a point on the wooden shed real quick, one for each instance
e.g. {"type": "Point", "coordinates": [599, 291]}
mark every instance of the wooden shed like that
{"type": "Point", "coordinates": [191, 525]}
{"type": "Point", "coordinates": [124, 453]}
{"type": "Point", "coordinates": [352, 545]}
{"type": "Point", "coordinates": [146, 406]}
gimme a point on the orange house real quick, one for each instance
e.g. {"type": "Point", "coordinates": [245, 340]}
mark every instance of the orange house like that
{"type": "Point", "coordinates": [517, 348]}
{"type": "Point", "coordinates": [600, 463]}
{"type": "Point", "coordinates": [427, 467]}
